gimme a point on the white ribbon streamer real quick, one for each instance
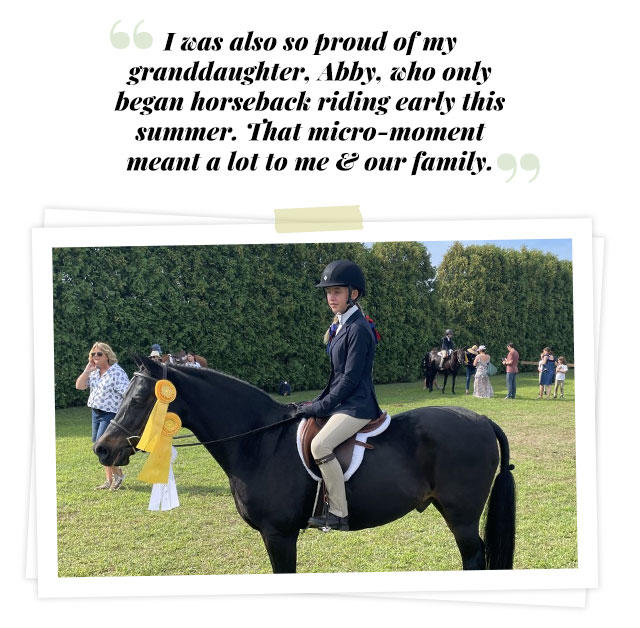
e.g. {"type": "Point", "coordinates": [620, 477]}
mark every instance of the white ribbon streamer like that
{"type": "Point", "coordinates": [165, 496]}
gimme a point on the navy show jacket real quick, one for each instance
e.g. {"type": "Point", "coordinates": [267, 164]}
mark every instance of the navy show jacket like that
{"type": "Point", "coordinates": [447, 343]}
{"type": "Point", "coordinates": [350, 389]}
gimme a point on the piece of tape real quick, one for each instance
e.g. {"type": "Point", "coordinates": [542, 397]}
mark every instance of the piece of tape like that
{"type": "Point", "coordinates": [301, 219]}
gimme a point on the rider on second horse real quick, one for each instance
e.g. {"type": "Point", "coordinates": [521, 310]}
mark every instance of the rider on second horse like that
{"type": "Point", "coordinates": [446, 347]}
{"type": "Point", "coordinates": [349, 397]}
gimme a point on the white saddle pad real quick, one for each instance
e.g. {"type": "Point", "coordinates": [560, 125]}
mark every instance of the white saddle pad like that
{"type": "Point", "coordinates": [358, 451]}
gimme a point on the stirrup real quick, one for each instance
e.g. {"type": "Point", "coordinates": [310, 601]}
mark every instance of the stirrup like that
{"type": "Point", "coordinates": [329, 521]}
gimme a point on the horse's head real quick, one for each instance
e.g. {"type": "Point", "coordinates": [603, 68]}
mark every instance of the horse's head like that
{"type": "Point", "coordinates": [457, 358]}
{"type": "Point", "coordinates": [118, 442]}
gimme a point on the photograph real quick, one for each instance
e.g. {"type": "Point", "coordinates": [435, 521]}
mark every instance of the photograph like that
{"type": "Point", "coordinates": [226, 409]}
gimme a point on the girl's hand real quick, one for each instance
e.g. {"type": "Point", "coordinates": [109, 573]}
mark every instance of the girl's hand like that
{"type": "Point", "coordinates": [90, 367]}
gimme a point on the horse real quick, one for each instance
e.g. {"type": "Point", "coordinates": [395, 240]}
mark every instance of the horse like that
{"type": "Point", "coordinates": [450, 366]}
{"type": "Point", "coordinates": [445, 456]}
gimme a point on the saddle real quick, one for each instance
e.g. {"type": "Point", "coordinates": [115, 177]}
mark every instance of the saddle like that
{"type": "Point", "coordinates": [345, 451]}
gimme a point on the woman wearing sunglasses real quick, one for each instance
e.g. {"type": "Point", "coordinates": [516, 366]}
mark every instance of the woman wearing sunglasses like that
{"type": "Point", "coordinates": [108, 383]}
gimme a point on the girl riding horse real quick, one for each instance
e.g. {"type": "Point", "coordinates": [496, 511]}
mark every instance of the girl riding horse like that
{"type": "Point", "coordinates": [348, 398]}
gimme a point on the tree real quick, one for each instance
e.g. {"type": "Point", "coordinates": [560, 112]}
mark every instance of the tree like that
{"type": "Point", "coordinates": [402, 302]}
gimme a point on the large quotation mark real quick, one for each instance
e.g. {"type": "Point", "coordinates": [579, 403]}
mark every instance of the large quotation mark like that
{"type": "Point", "coordinates": [121, 39]}
{"type": "Point", "coordinates": [529, 161]}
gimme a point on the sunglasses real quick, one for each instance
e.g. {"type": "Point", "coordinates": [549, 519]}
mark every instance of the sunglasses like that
{"type": "Point", "coordinates": [97, 354]}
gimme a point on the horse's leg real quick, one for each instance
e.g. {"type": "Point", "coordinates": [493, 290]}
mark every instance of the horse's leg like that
{"type": "Point", "coordinates": [446, 376]}
{"type": "Point", "coordinates": [470, 545]}
{"type": "Point", "coordinates": [453, 383]}
{"type": "Point", "coordinates": [467, 537]}
{"type": "Point", "coordinates": [282, 550]}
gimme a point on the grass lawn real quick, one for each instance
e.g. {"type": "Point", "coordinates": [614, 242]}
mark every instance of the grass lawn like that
{"type": "Point", "coordinates": [103, 533]}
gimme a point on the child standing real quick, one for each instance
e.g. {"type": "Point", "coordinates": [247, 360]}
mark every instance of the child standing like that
{"type": "Point", "coordinates": [561, 371]}
{"type": "Point", "coordinates": [540, 367]}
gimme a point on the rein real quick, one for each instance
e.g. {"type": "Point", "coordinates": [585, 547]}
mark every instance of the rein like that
{"type": "Point", "coordinates": [222, 440]}
{"type": "Point", "coordinates": [208, 442]}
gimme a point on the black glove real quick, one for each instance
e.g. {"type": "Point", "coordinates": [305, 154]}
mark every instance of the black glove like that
{"type": "Point", "coordinates": [302, 409]}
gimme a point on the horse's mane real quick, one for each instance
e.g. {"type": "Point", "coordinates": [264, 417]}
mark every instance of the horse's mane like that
{"type": "Point", "coordinates": [235, 385]}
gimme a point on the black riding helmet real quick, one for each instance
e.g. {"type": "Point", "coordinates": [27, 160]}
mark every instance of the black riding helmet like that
{"type": "Point", "coordinates": [342, 272]}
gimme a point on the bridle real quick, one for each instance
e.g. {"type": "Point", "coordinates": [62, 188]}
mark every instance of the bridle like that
{"type": "Point", "coordinates": [130, 435]}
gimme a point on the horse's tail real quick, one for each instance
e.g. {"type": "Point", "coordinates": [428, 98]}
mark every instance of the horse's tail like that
{"type": "Point", "coordinates": [500, 524]}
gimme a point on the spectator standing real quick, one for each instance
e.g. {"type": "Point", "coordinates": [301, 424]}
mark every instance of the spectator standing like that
{"type": "Point", "coordinates": [561, 373]}
{"type": "Point", "coordinates": [469, 356]}
{"type": "Point", "coordinates": [191, 360]}
{"type": "Point", "coordinates": [511, 362]}
{"type": "Point", "coordinates": [482, 387]}
{"type": "Point", "coordinates": [546, 376]}
{"type": "Point", "coordinates": [284, 389]}
{"type": "Point", "coordinates": [155, 355]}
{"type": "Point", "coordinates": [108, 383]}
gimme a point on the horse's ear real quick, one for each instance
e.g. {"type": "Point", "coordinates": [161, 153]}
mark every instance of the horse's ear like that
{"type": "Point", "coordinates": [137, 358]}
{"type": "Point", "coordinates": [155, 369]}
{"type": "Point", "coordinates": [145, 364]}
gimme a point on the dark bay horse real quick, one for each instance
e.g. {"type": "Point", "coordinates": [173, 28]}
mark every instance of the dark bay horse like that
{"type": "Point", "coordinates": [441, 456]}
{"type": "Point", "coordinates": [450, 366]}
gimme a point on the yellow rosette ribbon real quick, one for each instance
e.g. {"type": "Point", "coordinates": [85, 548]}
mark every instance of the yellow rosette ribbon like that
{"type": "Point", "coordinates": [156, 468]}
{"type": "Point", "coordinates": [165, 393]}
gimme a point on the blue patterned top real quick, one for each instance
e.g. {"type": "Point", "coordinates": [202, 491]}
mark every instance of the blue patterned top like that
{"type": "Point", "coordinates": [107, 390]}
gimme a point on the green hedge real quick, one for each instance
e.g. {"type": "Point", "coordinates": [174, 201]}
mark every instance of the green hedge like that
{"type": "Point", "coordinates": [253, 311]}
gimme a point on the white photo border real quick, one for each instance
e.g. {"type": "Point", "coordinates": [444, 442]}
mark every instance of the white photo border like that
{"type": "Point", "coordinates": [584, 576]}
